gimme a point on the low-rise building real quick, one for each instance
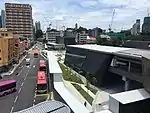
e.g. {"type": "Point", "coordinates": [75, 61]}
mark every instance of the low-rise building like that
{"type": "Point", "coordinates": [7, 48]}
{"type": "Point", "coordinates": [21, 49]}
{"type": "Point", "coordinates": [17, 41]}
{"type": "Point", "coordinates": [51, 35]}
{"type": "Point", "coordinates": [81, 38]}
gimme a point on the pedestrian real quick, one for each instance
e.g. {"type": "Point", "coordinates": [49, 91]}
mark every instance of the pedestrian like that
{"type": "Point", "coordinates": [85, 103]}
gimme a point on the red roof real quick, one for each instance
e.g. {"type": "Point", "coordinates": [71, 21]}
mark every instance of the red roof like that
{"type": "Point", "coordinates": [41, 77]}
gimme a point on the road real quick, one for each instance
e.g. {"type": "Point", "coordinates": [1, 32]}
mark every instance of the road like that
{"type": "Point", "coordinates": [26, 86]}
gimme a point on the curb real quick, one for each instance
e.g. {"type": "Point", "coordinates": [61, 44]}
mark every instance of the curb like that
{"type": "Point", "coordinates": [14, 68]}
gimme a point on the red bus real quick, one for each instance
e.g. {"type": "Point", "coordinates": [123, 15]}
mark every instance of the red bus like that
{"type": "Point", "coordinates": [36, 52]}
{"type": "Point", "coordinates": [42, 66]}
{"type": "Point", "coordinates": [7, 87]}
{"type": "Point", "coordinates": [41, 82]}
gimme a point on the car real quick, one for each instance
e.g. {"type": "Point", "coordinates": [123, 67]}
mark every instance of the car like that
{"type": "Point", "coordinates": [27, 61]}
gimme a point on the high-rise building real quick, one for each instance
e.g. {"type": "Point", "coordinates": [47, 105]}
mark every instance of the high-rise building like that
{"type": "Point", "coordinates": [136, 28]}
{"type": "Point", "coordinates": [37, 25]}
{"type": "Point", "coordinates": [19, 19]}
{"type": "Point", "coordinates": [3, 19]}
{"type": "Point", "coordinates": [146, 25]}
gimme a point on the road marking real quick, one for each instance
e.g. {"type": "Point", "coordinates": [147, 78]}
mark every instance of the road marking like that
{"type": "Point", "coordinates": [22, 84]}
{"type": "Point", "coordinates": [12, 109]}
{"type": "Point", "coordinates": [19, 90]}
{"type": "Point", "coordinates": [20, 72]}
{"type": "Point", "coordinates": [34, 66]}
{"type": "Point", "coordinates": [24, 78]}
{"type": "Point", "coordinates": [16, 99]}
{"type": "Point", "coordinates": [35, 95]}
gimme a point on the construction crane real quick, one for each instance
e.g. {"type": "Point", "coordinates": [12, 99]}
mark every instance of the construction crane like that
{"type": "Point", "coordinates": [110, 25]}
{"type": "Point", "coordinates": [49, 24]}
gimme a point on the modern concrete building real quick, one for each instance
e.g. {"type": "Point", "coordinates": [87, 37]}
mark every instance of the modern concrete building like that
{"type": "Point", "coordinates": [69, 37]}
{"type": "Point", "coordinates": [7, 48]}
{"type": "Point", "coordinates": [3, 18]}
{"type": "Point", "coordinates": [136, 28]}
{"type": "Point", "coordinates": [146, 25]}
{"type": "Point", "coordinates": [19, 19]}
{"type": "Point", "coordinates": [81, 38]}
{"type": "Point", "coordinates": [37, 25]}
{"type": "Point", "coordinates": [111, 64]}
{"type": "Point", "coordinates": [51, 35]}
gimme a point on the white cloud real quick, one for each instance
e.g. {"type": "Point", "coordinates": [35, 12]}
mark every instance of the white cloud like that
{"type": "Point", "coordinates": [87, 13]}
{"type": "Point", "coordinates": [89, 3]}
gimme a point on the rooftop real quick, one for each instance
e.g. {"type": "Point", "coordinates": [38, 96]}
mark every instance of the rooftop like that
{"type": "Point", "coordinates": [107, 49]}
{"type": "Point", "coordinates": [52, 62]}
{"type": "Point", "coordinates": [133, 52]}
{"type": "Point", "coordinates": [127, 97]}
{"type": "Point", "coordinates": [47, 106]}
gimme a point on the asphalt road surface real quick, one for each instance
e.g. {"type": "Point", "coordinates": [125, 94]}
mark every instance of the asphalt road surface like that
{"type": "Point", "coordinates": [26, 84]}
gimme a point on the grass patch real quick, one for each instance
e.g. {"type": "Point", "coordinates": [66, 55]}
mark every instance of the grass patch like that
{"type": "Point", "coordinates": [68, 75]}
{"type": "Point", "coordinates": [84, 93]}
{"type": "Point", "coordinates": [92, 90]}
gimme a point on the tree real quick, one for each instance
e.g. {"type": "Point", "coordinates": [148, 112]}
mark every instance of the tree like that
{"type": "Point", "coordinates": [39, 34]}
{"type": "Point", "coordinates": [82, 29]}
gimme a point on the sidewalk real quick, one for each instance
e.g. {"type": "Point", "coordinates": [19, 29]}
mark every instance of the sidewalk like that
{"type": "Point", "coordinates": [11, 71]}
{"type": "Point", "coordinates": [15, 67]}
{"type": "Point", "coordinates": [78, 96]}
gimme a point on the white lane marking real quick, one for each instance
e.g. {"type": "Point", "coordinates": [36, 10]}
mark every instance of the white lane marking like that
{"type": "Point", "coordinates": [12, 109]}
{"type": "Point", "coordinates": [22, 84]}
{"type": "Point", "coordinates": [19, 90]}
{"type": "Point", "coordinates": [16, 99]}
{"type": "Point", "coordinates": [20, 72]}
{"type": "Point", "coordinates": [35, 95]}
{"type": "Point", "coordinates": [24, 78]}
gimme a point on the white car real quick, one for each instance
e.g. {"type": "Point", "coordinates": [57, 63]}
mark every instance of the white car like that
{"type": "Point", "coordinates": [27, 61]}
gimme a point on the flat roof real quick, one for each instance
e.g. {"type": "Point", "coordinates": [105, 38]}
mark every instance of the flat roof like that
{"type": "Point", "coordinates": [6, 82]}
{"type": "Point", "coordinates": [55, 44]}
{"type": "Point", "coordinates": [132, 52]}
{"type": "Point", "coordinates": [135, 53]}
{"type": "Point", "coordinates": [47, 106]}
{"type": "Point", "coordinates": [107, 49]}
{"type": "Point", "coordinates": [104, 111]}
{"type": "Point", "coordinates": [73, 103]}
{"type": "Point", "coordinates": [131, 96]}
{"type": "Point", "coordinates": [52, 63]}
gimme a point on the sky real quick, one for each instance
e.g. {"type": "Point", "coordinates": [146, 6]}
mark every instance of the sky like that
{"type": "Point", "coordinates": [86, 13]}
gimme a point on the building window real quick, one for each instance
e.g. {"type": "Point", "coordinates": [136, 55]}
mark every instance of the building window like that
{"type": "Point", "coordinates": [0, 58]}
{"type": "Point", "coordinates": [6, 34]}
{"type": "Point", "coordinates": [0, 50]}
{"type": "Point", "coordinates": [2, 34]}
